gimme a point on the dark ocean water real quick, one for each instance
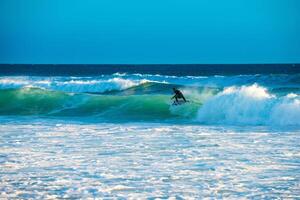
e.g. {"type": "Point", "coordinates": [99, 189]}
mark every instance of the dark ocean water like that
{"type": "Point", "coordinates": [176, 70]}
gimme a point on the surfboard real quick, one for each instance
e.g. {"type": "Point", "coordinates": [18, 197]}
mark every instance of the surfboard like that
{"type": "Point", "coordinates": [180, 102]}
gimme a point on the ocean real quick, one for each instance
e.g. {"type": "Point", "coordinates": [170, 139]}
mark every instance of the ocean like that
{"type": "Point", "coordinates": [112, 132]}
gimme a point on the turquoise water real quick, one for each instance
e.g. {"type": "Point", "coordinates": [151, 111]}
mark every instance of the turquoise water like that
{"type": "Point", "coordinates": [119, 137]}
{"type": "Point", "coordinates": [234, 100]}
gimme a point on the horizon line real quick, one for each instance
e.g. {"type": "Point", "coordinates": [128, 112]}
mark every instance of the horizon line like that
{"type": "Point", "coordinates": [150, 63]}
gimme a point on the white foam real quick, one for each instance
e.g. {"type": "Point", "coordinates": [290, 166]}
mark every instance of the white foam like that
{"type": "Point", "coordinates": [55, 159]}
{"type": "Point", "coordinates": [287, 111]}
{"type": "Point", "coordinates": [122, 80]}
{"type": "Point", "coordinates": [251, 105]}
{"type": "Point", "coordinates": [96, 85]}
{"type": "Point", "coordinates": [71, 84]}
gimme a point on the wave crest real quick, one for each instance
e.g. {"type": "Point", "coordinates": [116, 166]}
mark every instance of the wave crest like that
{"type": "Point", "coordinates": [72, 85]}
{"type": "Point", "coordinates": [250, 105]}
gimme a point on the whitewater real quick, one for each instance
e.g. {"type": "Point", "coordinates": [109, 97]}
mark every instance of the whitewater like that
{"type": "Point", "coordinates": [118, 136]}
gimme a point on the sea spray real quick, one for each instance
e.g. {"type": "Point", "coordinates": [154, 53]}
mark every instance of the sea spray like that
{"type": "Point", "coordinates": [250, 105]}
{"type": "Point", "coordinates": [286, 111]}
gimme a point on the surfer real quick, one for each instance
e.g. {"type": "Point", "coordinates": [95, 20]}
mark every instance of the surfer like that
{"type": "Point", "coordinates": [178, 95]}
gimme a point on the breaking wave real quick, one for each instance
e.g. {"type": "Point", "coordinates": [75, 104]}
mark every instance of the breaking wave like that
{"type": "Point", "coordinates": [72, 84]}
{"type": "Point", "coordinates": [235, 100]}
{"type": "Point", "coordinates": [119, 82]}
{"type": "Point", "coordinates": [250, 105]}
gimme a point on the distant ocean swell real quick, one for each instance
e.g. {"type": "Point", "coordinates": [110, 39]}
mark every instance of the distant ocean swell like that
{"type": "Point", "coordinates": [232, 100]}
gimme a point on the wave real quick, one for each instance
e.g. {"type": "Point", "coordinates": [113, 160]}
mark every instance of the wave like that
{"type": "Point", "coordinates": [250, 105]}
{"type": "Point", "coordinates": [75, 85]}
{"type": "Point", "coordinates": [120, 82]}
{"type": "Point", "coordinates": [234, 100]}
{"type": "Point", "coordinates": [36, 101]}
{"type": "Point", "coordinates": [245, 105]}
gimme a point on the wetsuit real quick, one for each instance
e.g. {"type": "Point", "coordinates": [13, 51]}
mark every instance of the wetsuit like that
{"type": "Point", "coordinates": [178, 95]}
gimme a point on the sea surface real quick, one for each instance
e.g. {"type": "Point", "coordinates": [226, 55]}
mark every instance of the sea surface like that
{"type": "Point", "coordinates": [112, 132]}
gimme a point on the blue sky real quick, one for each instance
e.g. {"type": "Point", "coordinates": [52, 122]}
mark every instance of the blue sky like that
{"type": "Point", "coordinates": [149, 31]}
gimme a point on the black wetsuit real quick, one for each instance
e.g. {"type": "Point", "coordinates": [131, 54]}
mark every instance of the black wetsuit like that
{"type": "Point", "coordinates": [178, 95]}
